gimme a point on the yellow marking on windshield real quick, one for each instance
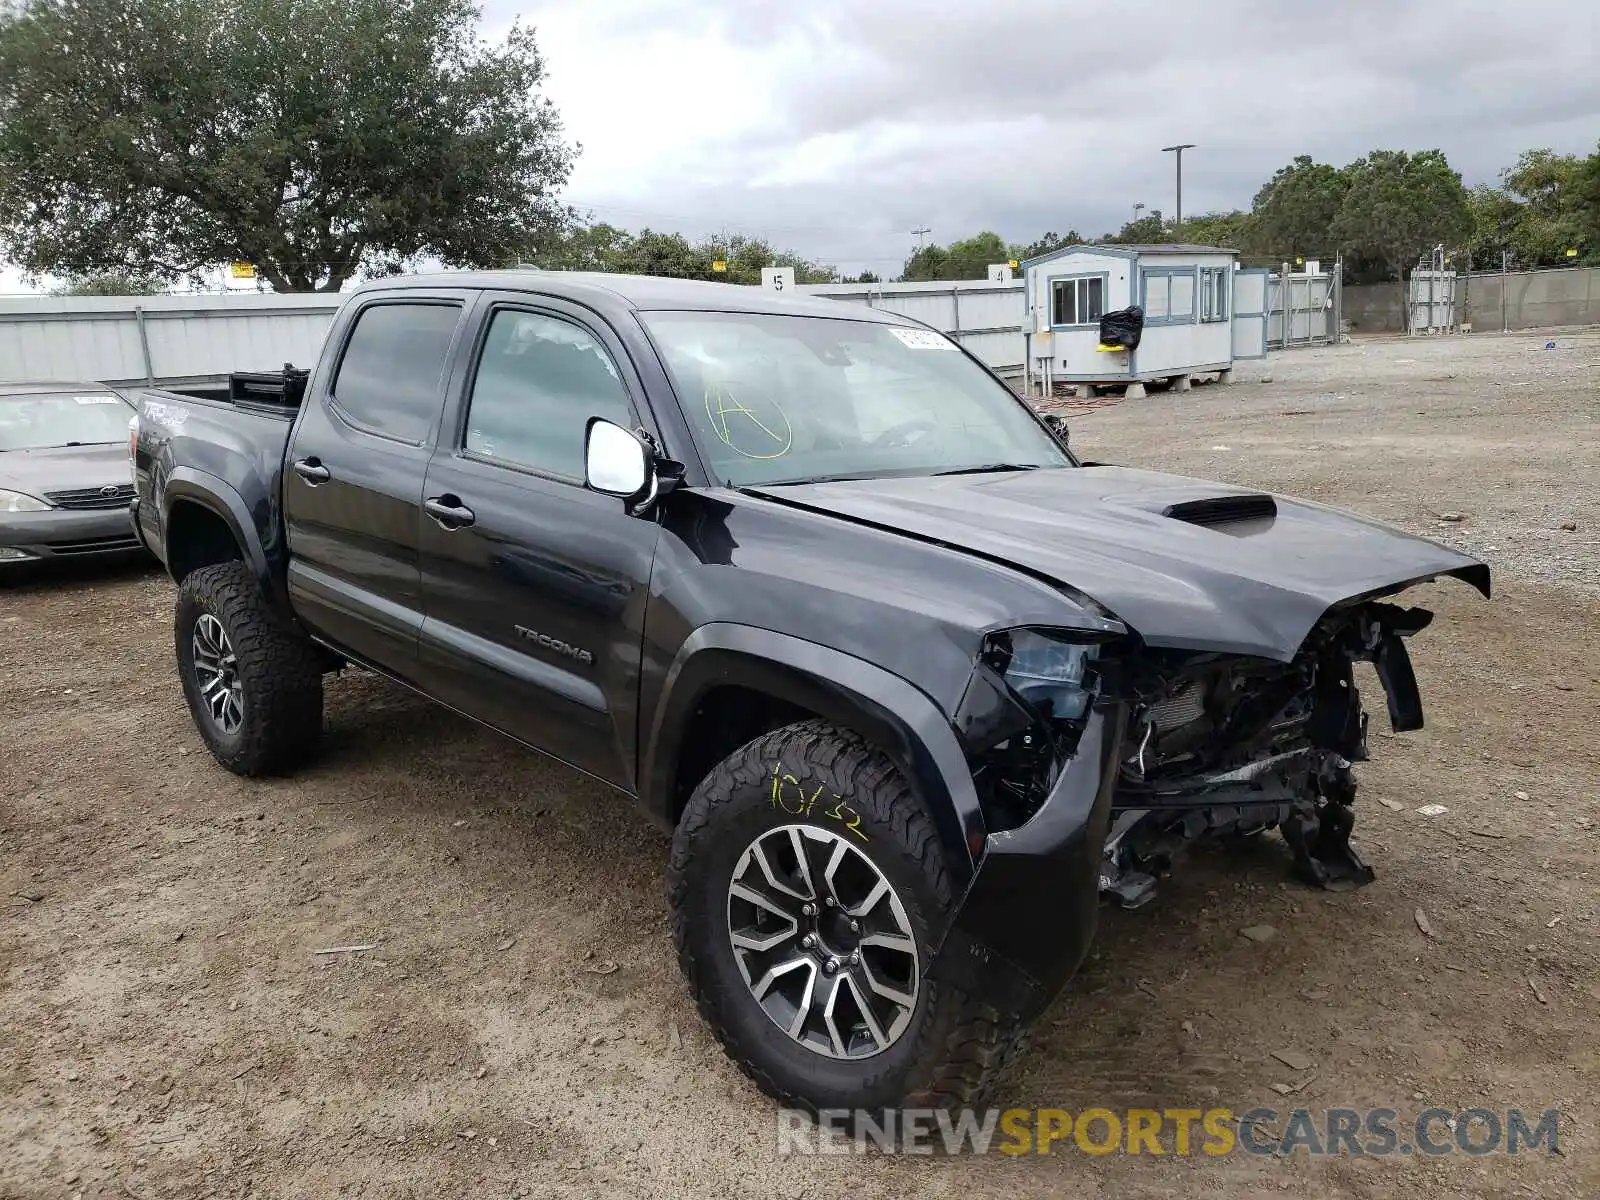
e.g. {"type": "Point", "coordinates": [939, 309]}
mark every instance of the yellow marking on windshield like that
{"type": "Point", "coordinates": [722, 403]}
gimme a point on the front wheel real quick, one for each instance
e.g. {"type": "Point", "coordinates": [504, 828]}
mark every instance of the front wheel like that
{"type": "Point", "coordinates": [806, 883]}
{"type": "Point", "coordinates": [254, 687]}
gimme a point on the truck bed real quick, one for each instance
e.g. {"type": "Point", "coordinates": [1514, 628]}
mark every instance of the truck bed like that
{"type": "Point", "coordinates": [230, 446]}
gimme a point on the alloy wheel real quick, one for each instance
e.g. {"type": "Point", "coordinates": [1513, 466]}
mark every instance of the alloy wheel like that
{"type": "Point", "coordinates": [823, 941]}
{"type": "Point", "coordinates": [216, 671]}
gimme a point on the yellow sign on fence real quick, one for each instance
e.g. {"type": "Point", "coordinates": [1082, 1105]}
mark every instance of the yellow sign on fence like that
{"type": "Point", "coordinates": [242, 270]}
{"type": "Point", "coordinates": [719, 265]}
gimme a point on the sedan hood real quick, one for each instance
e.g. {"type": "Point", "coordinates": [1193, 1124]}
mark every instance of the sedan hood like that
{"type": "Point", "coordinates": [1183, 562]}
{"type": "Point", "coordinates": [64, 468]}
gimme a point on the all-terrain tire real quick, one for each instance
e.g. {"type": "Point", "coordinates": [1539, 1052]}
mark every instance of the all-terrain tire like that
{"type": "Point", "coordinates": [954, 1044]}
{"type": "Point", "coordinates": [279, 673]}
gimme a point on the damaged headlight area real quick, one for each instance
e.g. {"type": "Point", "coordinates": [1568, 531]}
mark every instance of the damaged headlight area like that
{"type": "Point", "coordinates": [1223, 745]}
{"type": "Point", "coordinates": [1024, 713]}
{"type": "Point", "coordinates": [1213, 744]}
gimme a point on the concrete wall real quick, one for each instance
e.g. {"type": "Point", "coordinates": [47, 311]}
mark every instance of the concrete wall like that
{"type": "Point", "coordinates": [1375, 308]}
{"type": "Point", "coordinates": [1532, 300]}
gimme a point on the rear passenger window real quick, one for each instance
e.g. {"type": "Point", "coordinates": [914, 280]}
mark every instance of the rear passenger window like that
{"type": "Point", "coordinates": [539, 381]}
{"type": "Point", "coordinates": [389, 378]}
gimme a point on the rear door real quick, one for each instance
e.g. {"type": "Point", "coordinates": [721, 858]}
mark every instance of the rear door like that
{"type": "Point", "coordinates": [352, 489]}
{"type": "Point", "coordinates": [535, 589]}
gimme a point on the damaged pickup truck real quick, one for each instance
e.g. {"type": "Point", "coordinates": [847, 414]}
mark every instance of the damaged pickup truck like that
{"type": "Point", "coordinates": [914, 689]}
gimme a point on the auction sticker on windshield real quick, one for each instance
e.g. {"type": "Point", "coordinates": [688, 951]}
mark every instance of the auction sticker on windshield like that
{"type": "Point", "coordinates": [97, 400]}
{"type": "Point", "coordinates": [922, 339]}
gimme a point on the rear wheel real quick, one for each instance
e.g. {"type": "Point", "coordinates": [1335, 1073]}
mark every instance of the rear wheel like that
{"type": "Point", "coordinates": [806, 884]}
{"type": "Point", "coordinates": [254, 687]}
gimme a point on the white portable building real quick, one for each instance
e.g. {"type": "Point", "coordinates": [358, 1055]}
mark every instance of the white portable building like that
{"type": "Point", "coordinates": [1186, 291]}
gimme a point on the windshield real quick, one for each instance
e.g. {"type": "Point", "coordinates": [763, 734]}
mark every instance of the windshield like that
{"type": "Point", "coordinates": [782, 399]}
{"type": "Point", "coordinates": [39, 420]}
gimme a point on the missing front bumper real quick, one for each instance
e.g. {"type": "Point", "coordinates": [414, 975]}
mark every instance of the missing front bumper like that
{"type": "Point", "coordinates": [1026, 921]}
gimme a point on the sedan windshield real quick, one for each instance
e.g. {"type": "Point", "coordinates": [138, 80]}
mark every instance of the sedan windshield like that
{"type": "Point", "coordinates": [787, 399]}
{"type": "Point", "coordinates": [40, 420]}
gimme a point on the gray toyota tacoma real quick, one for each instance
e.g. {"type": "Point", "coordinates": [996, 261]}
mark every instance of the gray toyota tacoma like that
{"type": "Point", "coordinates": [915, 689]}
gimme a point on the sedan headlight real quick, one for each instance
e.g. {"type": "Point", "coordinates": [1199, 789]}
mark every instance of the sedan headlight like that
{"type": "Point", "coordinates": [11, 502]}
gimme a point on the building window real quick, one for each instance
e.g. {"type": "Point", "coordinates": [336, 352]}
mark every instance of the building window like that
{"type": "Point", "coordinates": [1169, 297]}
{"type": "Point", "coordinates": [1080, 300]}
{"type": "Point", "coordinates": [1214, 293]}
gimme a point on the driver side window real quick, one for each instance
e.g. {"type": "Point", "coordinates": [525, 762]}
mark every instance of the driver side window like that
{"type": "Point", "coordinates": [539, 380]}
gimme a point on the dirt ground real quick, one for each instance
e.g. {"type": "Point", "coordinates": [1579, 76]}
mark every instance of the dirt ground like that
{"type": "Point", "coordinates": [167, 1029]}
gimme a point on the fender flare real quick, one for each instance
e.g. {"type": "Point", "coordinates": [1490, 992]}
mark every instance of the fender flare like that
{"type": "Point", "coordinates": [190, 486]}
{"type": "Point", "coordinates": [838, 687]}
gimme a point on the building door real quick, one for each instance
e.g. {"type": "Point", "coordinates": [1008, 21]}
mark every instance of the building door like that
{"type": "Point", "coordinates": [1250, 312]}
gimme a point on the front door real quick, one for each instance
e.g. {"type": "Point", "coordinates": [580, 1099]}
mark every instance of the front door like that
{"type": "Point", "coordinates": [352, 487]}
{"type": "Point", "coordinates": [534, 586]}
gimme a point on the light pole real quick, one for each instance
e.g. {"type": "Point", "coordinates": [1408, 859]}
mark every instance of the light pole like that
{"type": "Point", "coordinates": [921, 231]}
{"type": "Point", "coordinates": [1177, 223]}
{"type": "Point", "coordinates": [1137, 209]}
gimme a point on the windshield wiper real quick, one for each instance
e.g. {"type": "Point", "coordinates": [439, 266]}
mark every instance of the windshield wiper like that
{"type": "Point", "coordinates": [988, 467]}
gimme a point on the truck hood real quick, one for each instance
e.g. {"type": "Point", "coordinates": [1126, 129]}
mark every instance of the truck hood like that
{"type": "Point", "coordinates": [64, 468]}
{"type": "Point", "coordinates": [1183, 562]}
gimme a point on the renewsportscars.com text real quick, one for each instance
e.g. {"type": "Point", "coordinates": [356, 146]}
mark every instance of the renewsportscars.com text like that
{"type": "Point", "coordinates": [1171, 1131]}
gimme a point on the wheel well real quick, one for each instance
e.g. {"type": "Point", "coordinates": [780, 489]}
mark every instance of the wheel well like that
{"type": "Point", "coordinates": [197, 537]}
{"type": "Point", "coordinates": [726, 718]}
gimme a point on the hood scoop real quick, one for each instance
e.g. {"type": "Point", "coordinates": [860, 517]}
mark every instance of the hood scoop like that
{"type": "Point", "coordinates": [1223, 510]}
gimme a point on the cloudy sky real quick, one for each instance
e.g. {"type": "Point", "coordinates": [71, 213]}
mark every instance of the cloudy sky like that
{"type": "Point", "coordinates": [836, 126]}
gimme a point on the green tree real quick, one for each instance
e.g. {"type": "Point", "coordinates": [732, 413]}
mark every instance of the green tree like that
{"type": "Point", "coordinates": [1235, 230]}
{"type": "Point", "coordinates": [1147, 230]}
{"type": "Point", "coordinates": [650, 252]}
{"type": "Point", "coordinates": [1048, 244]}
{"type": "Point", "coordinates": [746, 256]}
{"type": "Point", "coordinates": [111, 285]}
{"type": "Point", "coordinates": [925, 264]}
{"type": "Point", "coordinates": [1399, 206]}
{"type": "Point", "coordinates": [581, 247]}
{"type": "Point", "coordinates": [1553, 213]}
{"type": "Point", "coordinates": [864, 277]}
{"type": "Point", "coordinates": [967, 259]}
{"type": "Point", "coordinates": [1495, 214]}
{"type": "Point", "coordinates": [313, 138]}
{"type": "Point", "coordinates": [1296, 209]}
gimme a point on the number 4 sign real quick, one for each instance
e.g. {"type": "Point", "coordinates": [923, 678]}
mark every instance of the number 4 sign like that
{"type": "Point", "coordinates": [777, 279]}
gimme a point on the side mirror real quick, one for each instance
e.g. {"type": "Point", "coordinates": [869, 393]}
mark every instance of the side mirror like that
{"type": "Point", "coordinates": [1057, 424]}
{"type": "Point", "coordinates": [615, 461]}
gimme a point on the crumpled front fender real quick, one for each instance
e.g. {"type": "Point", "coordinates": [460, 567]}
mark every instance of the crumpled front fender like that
{"type": "Point", "coordinates": [1029, 914]}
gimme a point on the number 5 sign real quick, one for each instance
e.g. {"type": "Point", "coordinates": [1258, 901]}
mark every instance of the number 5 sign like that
{"type": "Point", "coordinates": [777, 279]}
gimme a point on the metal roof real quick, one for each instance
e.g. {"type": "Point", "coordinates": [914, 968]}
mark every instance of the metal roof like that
{"type": "Point", "coordinates": [1132, 250]}
{"type": "Point", "coordinates": [1174, 248]}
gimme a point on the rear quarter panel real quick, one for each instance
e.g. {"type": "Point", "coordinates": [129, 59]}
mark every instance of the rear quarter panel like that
{"type": "Point", "coordinates": [226, 457]}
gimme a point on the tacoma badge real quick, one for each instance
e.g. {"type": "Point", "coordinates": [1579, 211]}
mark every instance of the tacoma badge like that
{"type": "Point", "coordinates": [556, 644]}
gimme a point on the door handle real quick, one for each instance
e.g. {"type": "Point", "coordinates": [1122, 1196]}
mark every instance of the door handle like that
{"type": "Point", "coordinates": [312, 471]}
{"type": "Point", "coordinates": [448, 511]}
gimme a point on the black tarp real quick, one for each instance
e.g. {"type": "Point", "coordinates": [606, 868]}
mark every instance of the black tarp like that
{"type": "Point", "coordinates": [1122, 328]}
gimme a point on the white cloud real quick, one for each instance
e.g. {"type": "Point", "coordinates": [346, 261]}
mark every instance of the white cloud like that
{"type": "Point", "coordinates": [835, 127]}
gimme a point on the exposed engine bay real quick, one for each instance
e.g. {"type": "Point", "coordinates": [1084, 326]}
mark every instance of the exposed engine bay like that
{"type": "Point", "coordinates": [1214, 744]}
